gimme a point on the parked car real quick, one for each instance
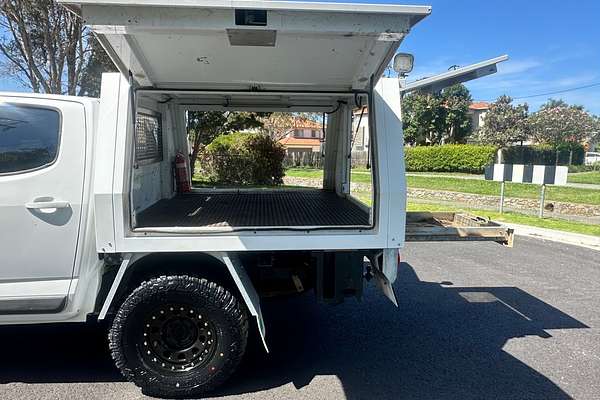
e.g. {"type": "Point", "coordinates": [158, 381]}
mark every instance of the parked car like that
{"type": "Point", "coordinates": [592, 157]}
{"type": "Point", "coordinates": [99, 223]}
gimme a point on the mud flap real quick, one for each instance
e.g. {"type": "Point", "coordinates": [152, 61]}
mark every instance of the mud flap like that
{"type": "Point", "coordinates": [382, 280]}
{"type": "Point", "coordinates": [247, 290]}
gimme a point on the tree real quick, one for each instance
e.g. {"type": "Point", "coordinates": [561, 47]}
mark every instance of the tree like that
{"type": "Point", "coordinates": [553, 103]}
{"type": "Point", "coordinates": [279, 124]}
{"type": "Point", "coordinates": [204, 126]}
{"type": "Point", "coordinates": [423, 123]}
{"type": "Point", "coordinates": [437, 118]}
{"type": "Point", "coordinates": [504, 123]}
{"type": "Point", "coordinates": [562, 124]}
{"type": "Point", "coordinates": [457, 99]}
{"type": "Point", "coordinates": [97, 63]}
{"type": "Point", "coordinates": [46, 47]}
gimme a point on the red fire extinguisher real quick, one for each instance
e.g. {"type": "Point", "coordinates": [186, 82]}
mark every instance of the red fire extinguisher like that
{"type": "Point", "coordinates": [182, 176]}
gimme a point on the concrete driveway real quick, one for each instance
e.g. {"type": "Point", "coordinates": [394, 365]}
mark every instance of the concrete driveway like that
{"type": "Point", "coordinates": [476, 321]}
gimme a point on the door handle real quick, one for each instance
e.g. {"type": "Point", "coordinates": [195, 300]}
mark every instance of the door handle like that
{"type": "Point", "coordinates": [37, 205]}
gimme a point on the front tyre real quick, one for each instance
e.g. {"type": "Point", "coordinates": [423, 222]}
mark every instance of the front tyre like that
{"type": "Point", "coordinates": [178, 336]}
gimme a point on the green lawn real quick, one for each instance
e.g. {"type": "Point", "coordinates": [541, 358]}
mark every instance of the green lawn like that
{"type": "Point", "coordinates": [465, 174]}
{"type": "Point", "coordinates": [522, 190]}
{"type": "Point", "coordinates": [304, 173]}
{"type": "Point", "coordinates": [358, 175]}
{"type": "Point", "coordinates": [474, 186]}
{"type": "Point", "coordinates": [585, 177]}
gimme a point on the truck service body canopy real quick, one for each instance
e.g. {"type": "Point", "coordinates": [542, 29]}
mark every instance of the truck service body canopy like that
{"type": "Point", "coordinates": [249, 45]}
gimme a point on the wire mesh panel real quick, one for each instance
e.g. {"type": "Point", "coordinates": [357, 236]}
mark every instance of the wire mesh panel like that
{"type": "Point", "coordinates": [148, 138]}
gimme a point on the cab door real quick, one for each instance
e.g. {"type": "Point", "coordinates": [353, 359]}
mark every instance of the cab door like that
{"type": "Point", "coordinates": [42, 160]}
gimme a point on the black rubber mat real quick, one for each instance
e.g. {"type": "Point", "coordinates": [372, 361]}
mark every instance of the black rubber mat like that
{"type": "Point", "coordinates": [252, 209]}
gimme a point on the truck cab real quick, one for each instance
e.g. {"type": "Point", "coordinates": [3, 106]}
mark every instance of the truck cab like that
{"type": "Point", "coordinates": [95, 227]}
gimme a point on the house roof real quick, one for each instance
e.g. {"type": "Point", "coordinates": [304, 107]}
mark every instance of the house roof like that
{"type": "Point", "coordinates": [300, 122]}
{"type": "Point", "coordinates": [293, 141]}
{"type": "Point", "coordinates": [479, 105]}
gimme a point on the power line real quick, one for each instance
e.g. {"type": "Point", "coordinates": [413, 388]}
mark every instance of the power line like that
{"type": "Point", "coordinates": [557, 91]}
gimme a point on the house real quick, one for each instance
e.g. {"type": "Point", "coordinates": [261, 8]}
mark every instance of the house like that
{"type": "Point", "coordinates": [304, 136]}
{"type": "Point", "coordinates": [477, 111]}
{"type": "Point", "coordinates": [360, 129]}
{"type": "Point", "coordinates": [591, 144]}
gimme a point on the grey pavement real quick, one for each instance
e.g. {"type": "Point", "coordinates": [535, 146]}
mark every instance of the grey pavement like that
{"type": "Point", "coordinates": [476, 321]}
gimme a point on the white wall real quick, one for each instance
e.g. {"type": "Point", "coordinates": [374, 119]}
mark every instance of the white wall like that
{"type": "Point", "coordinates": [361, 141]}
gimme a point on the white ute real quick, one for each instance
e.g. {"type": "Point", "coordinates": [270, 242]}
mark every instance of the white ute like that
{"type": "Point", "coordinates": [93, 229]}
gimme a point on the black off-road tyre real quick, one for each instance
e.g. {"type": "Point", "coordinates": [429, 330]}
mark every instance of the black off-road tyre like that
{"type": "Point", "coordinates": [178, 336]}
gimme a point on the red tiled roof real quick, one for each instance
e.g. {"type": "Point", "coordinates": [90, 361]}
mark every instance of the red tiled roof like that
{"type": "Point", "coordinates": [293, 141]}
{"type": "Point", "coordinates": [479, 105]}
{"type": "Point", "coordinates": [300, 123]}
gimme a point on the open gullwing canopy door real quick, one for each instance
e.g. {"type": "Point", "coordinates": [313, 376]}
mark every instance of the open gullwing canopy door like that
{"type": "Point", "coordinates": [460, 75]}
{"type": "Point", "coordinates": [249, 44]}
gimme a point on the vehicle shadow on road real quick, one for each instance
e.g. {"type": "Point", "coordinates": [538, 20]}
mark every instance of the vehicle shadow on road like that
{"type": "Point", "coordinates": [443, 342]}
{"type": "Point", "coordinates": [56, 353]}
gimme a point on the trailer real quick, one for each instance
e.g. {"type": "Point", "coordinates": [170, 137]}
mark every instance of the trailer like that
{"type": "Point", "coordinates": [94, 227]}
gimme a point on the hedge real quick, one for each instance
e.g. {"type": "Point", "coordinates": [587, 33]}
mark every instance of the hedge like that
{"type": "Point", "coordinates": [449, 158]}
{"type": "Point", "coordinates": [243, 159]}
{"type": "Point", "coordinates": [544, 155]}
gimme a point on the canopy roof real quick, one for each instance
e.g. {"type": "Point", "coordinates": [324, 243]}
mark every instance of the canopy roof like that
{"type": "Point", "coordinates": [249, 45]}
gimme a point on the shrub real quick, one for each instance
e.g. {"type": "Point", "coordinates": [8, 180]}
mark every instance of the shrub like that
{"type": "Point", "coordinates": [243, 159]}
{"type": "Point", "coordinates": [544, 154]}
{"type": "Point", "coordinates": [449, 158]}
{"type": "Point", "coordinates": [585, 168]}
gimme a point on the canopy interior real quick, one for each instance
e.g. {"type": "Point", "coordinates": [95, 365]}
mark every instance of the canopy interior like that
{"type": "Point", "coordinates": [249, 45]}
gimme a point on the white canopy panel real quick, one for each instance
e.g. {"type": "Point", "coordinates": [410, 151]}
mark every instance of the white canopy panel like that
{"type": "Point", "coordinates": [243, 44]}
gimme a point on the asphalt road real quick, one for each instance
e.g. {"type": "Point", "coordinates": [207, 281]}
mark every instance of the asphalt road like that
{"type": "Point", "coordinates": [476, 321]}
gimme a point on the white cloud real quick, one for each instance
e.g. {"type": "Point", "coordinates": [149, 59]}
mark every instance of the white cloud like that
{"type": "Point", "coordinates": [518, 66]}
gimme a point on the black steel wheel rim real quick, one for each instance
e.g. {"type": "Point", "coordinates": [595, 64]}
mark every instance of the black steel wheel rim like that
{"type": "Point", "coordinates": [178, 338]}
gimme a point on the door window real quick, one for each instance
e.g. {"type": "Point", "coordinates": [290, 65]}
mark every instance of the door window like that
{"type": "Point", "coordinates": [29, 137]}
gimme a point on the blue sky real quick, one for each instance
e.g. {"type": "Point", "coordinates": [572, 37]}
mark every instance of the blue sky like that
{"type": "Point", "coordinates": [553, 45]}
